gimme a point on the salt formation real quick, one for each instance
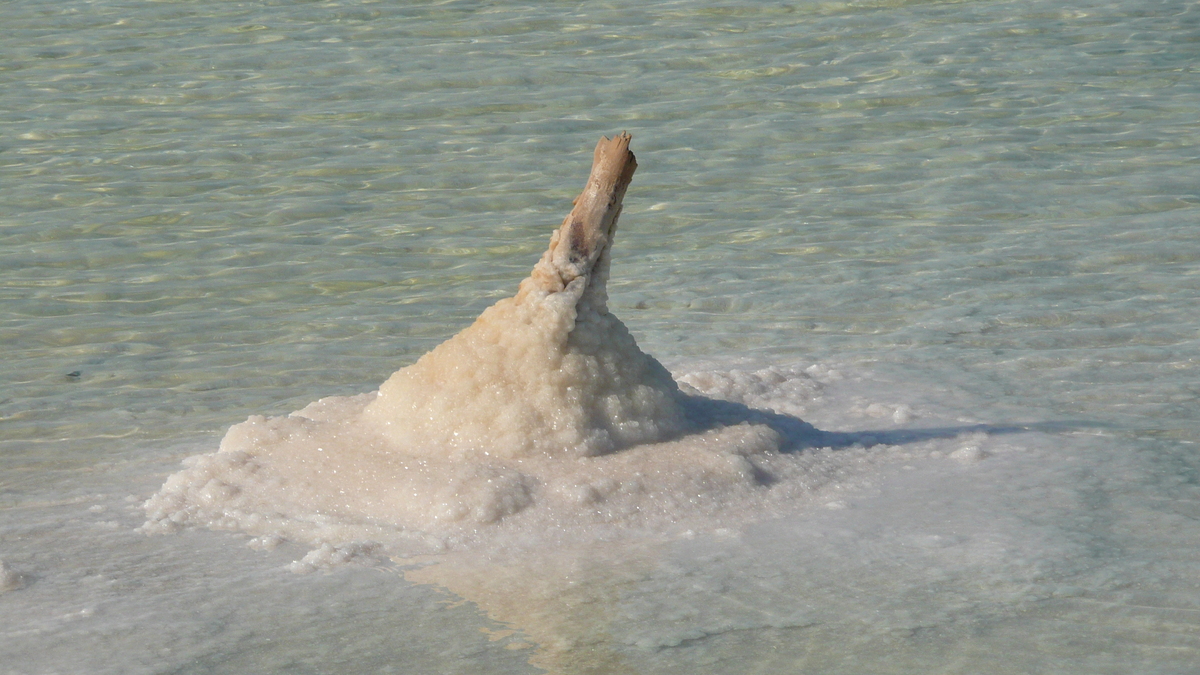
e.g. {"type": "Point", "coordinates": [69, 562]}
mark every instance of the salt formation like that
{"type": "Point", "coordinates": [543, 414]}
{"type": "Point", "coordinates": [546, 373]}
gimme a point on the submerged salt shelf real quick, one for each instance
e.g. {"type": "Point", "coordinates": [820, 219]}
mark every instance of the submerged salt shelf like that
{"type": "Point", "coordinates": [932, 536]}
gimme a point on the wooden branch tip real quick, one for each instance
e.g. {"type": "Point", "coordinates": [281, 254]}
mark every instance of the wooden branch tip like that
{"type": "Point", "coordinates": [588, 229]}
{"type": "Point", "coordinates": [587, 232]}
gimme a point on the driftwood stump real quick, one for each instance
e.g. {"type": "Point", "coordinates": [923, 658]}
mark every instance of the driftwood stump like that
{"type": "Point", "coordinates": [583, 240]}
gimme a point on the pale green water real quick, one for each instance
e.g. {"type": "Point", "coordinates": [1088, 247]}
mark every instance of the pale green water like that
{"type": "Point", "coordinates": [214, 209]}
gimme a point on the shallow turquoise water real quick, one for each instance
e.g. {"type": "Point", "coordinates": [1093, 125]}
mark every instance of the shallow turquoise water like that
{"type": "Point", "coordinates": [209, 210]}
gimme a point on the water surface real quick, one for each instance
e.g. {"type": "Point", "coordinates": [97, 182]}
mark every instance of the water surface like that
{"type": "Point", "coordinates": [983, 212]}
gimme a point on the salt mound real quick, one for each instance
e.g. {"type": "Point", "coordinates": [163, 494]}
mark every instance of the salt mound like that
{"type": "Point", "coordinates": [544, 408]}
{"type": "Point", "coordinates": [549, 372]}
